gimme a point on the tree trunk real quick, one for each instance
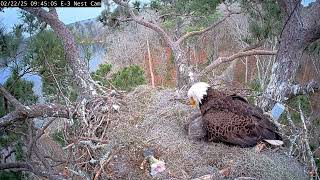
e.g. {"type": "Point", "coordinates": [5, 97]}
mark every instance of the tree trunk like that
{"type": "Point", "coordinates": [297, 34]}
{"type": "Point", "coordinates": [283, 73]}
{"type": "Point", "coordinates": [84, 83]}
{"type": "Point", "coordinates": [184, 74]}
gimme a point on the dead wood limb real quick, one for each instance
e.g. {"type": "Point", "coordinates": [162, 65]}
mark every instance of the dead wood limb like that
{"type": "Point", "coordinates": [34, 111]}
{"type": "Point", "coordinates": [237, 55]}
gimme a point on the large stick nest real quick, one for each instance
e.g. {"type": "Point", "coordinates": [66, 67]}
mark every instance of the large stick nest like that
{"type": "Point", "coordinates": [154, 119]}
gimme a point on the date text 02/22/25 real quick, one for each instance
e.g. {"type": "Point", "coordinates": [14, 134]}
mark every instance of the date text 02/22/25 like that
{"type": "Point", "coordinates": [50, 3]}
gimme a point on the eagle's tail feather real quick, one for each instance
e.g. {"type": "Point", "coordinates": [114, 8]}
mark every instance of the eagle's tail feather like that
{"type": "Point", "coordinates": [274, 142]}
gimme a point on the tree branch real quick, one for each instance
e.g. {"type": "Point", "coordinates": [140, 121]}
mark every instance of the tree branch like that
{"type": "Point", "coordinates": [34, 111]}
{"type": "Point", "coordinates": [24, 166]}
{"type": "Point", "coordinates": [307, 144]}
{"type": "Point", "coordinates": [15, 165]}
{"type": "Point", "coordinates": [299, 89]}
{"type": "Point", "coordinates": [10, 98]}
{"type": "Point", "coordinates": [194, 33]}
{"type": "Point", "coordinates": [240, 54]}
{"type": "Point", "coordinates": [143, 22]}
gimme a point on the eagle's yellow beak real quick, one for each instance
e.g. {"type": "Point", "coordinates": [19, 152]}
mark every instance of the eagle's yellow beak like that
{"type": "Point", "coordinates": [192, 102]}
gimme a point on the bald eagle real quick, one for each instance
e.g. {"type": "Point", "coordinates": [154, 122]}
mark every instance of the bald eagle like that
{"type": "Point", "coordinates": [230, 118]}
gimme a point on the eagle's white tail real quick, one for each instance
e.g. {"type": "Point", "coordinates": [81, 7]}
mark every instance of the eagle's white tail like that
{"type": "Point", "coordinates": [274, 142]}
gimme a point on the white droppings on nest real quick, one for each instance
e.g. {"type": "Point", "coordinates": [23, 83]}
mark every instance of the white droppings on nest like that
{"type": "Point", "coordinates": [116, 107]}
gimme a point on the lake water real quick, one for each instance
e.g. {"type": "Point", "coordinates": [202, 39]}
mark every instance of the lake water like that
{"type": "Point", "coordinates": [97, 58]}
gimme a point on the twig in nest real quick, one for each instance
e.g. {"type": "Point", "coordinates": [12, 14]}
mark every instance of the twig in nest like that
{"type": "Point", "coordinates": [105, 162]}
{"type": "Point", "coordinates": [295, 134]}
{"type": "Point", "coordinates": [307, 145]}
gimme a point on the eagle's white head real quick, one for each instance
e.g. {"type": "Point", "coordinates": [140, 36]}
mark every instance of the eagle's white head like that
{"type": "Point", "coordinates": [197, 92]}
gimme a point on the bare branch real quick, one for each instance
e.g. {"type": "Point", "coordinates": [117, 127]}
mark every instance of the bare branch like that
{"type": "Point", "coordinates": [142, 21]}
{"type": "Point", "coordinates": [240, 54]}
{"type": "Point", "coordinates": [195, 33]}
{"type": "Point", "coordinates": [15, 165]}
{"type": "Point", "coordinates": [41, 110]}
{"type": "Point", "coordinates": [307, 144]}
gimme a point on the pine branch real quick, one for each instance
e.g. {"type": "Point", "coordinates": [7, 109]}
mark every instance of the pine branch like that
{"type": "Point", "coordinates": [81, 74]}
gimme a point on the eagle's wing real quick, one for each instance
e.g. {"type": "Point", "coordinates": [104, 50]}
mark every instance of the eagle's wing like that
{"type": "Point", "coordinates": [236, 129]}
{"type": "Point", "coordinates": [233, 103]}
{"type": "Point", "coordinates": [230, 118]}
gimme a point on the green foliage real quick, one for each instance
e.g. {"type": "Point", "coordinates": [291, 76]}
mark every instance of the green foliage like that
{"type": "Point", "coordinates": [105, 18]}
{"type": "Point", "coordinates": [20, 89]}
{"type": "Point", "coordinates": [314, 48]}
{"type": "Point", "coordinates": [58, 137]}
{"type": "Point", "coordinates": [318, 164]}
{"type": "Point", "coordinates": [6, 140]}
{"type": "Point", "coordinates": [11, 175]}
{"type": "Point", "coordinates": [125, 79]}
{"type": "Point", "coordinates": [110, 17]}
{"type": "Point", "coordinates": [265, 21]}
{"type": "Point", "coordinates": [101, 73]}
{"type": "Point", "coordinates": [255, 85]}
{"type": "Point", "coordinates": [293, 103]}
{"type": "Point", "coordinates": [19, 151]}
{"type": "Point", "coordinates": [171, 57]}
{"type": "Point", "coordinates": [45, 54]}
{"type": "Point", "coordinates": [198, 13]}
{"type": "Point", "coordinates": [31, 24]}
{"type": "Point", "coordinates": [196, 7]}
{"type": "Point", "coordinates": [9, 42]}
{"type": "Point", "coordinates": [87, 53]}
{"type": "Point", "coordinates": [155, 4]}
{"type": "Point", "coordinates": [168, 24]}
{"type": "Point", "coordinates": [137, 5]}
{"type": "Point", "coordinates": [128, 77]}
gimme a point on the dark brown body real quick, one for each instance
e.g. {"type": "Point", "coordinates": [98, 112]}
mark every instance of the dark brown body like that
{"type": "Point", "coordinates": [231, 119]}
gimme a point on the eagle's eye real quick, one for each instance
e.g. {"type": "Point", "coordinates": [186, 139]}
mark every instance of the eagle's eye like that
{"type": "Point", "coordinates": [192, 102]}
